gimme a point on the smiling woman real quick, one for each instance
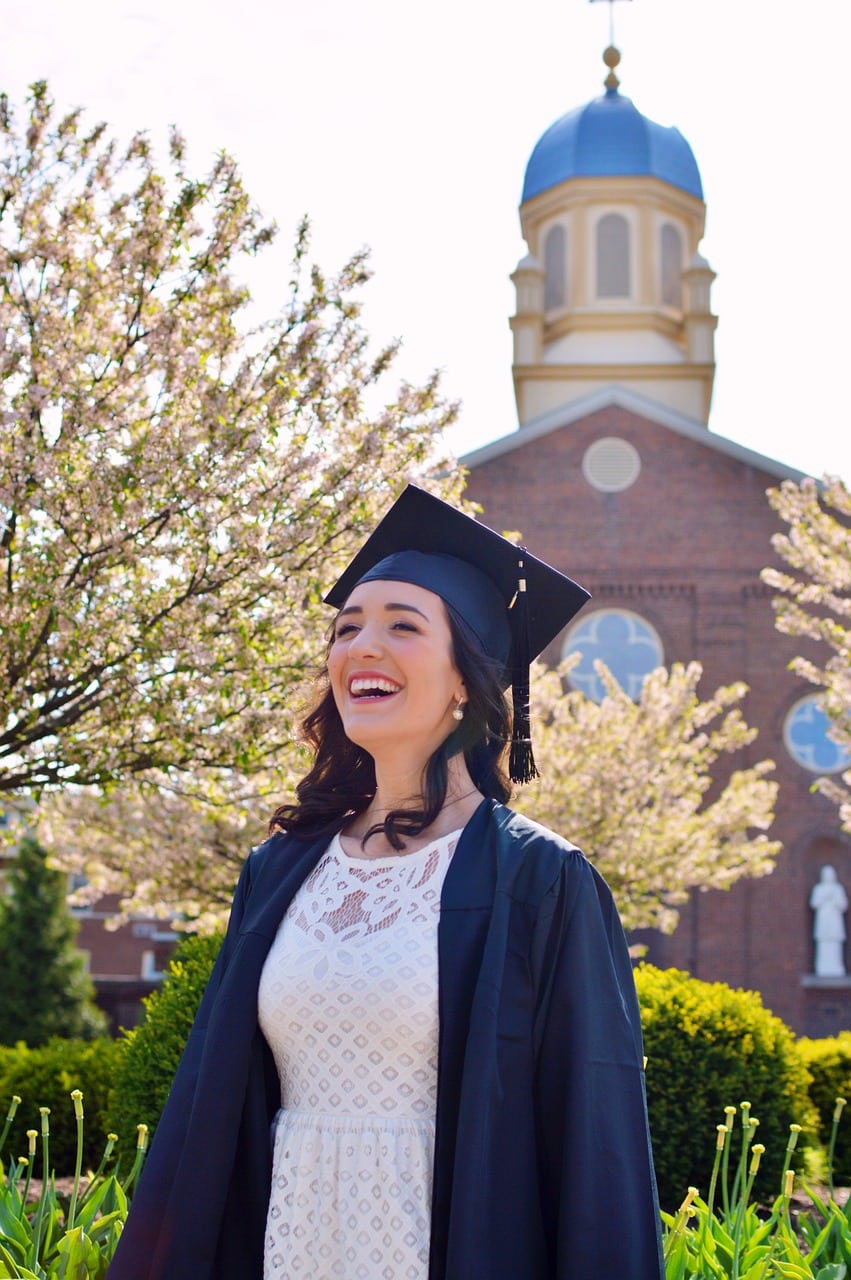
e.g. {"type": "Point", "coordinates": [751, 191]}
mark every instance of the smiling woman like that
{"type": "Point", "coordinates": [426, 999]}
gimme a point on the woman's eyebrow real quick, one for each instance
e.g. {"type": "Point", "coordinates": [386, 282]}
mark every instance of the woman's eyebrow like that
{"type": "Point", "coordinates": [393, 607]}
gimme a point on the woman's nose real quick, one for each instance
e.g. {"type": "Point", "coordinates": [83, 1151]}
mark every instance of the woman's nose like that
{"type": "Point", "coordinates": [367, 641]}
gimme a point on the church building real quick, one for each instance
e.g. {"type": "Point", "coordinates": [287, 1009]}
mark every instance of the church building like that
{"type": "Point", "coordinates": [622, 484]}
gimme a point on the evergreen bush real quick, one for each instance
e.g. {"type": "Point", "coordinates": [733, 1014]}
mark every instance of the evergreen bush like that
{"type": "Point", "coordinates": [45, 991]}
{"type": "Point", "coordinates": [45, 1077]}
{"type": "Point", "coordinates": [829, 1063]}
{"type": "Point", "coordinates": [149, 1054]}
{"type": "Point", "coordinates": [709, 1046]}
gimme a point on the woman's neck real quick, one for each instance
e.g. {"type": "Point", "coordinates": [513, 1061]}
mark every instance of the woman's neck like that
{"type": "Point", "coordinates": [395, 790]}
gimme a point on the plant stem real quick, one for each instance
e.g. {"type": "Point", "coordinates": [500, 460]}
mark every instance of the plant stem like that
{"type": "Point", "coordinates": [78, 1110]}
{"type": "Point", "coordinates": [837, 1112]}
{"type": "Point", "coordinates": [45, 1179]}
{"type": "Point", "coordinates": [720, 1147]}
{"type": "Point", "coordinates": [13, 1106]}
{"type": "Point", "coordinates": [794, 1130]}
{"type": "Point", "coordinates": [741, 1171]}
{"type": "Point", "coordinates": [680, 1221]}
{"type": "Point", "coordinates": [27, 1182]}
{"type": "Point", "coordinates": [141, 1147]}
{"type": "Point", "coordinates": [730, 1113]}
{"type": "Point", "coordinates": [740, 1218]}
{"type": "Point", "coordinates": [95, 1178]}
{"type": "Point", "coordinates": [758, 1151]}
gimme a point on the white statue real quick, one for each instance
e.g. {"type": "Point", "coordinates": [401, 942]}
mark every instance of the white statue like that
{"type": "Point", "coordinates": [829, 902]}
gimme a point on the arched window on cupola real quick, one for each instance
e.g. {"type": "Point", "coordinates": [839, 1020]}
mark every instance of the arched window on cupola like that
{"type": "Point", "coordinates": [555, 268]}
{"type": "Point", "coordinates": [671, 256]}
{"type": "Point", "coordinates": [613, 256]}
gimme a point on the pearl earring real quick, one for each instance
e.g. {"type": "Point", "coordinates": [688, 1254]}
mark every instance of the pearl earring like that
{"type": "Point", "coordinates": [458, 711]}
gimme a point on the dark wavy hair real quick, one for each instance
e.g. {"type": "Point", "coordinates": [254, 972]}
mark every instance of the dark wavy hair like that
{"type": "Point", "coordinates": [341, 782]}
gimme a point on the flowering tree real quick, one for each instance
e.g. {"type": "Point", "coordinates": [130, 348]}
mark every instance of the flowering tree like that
{"type": "Point", "coordinates": [813, 601]}
{"type": "Point", "coordinates": [175, 486]}
{"type": "Point", "coordinates": [166, 844]}
{"type": "Point", "coordinates": [628, 782]}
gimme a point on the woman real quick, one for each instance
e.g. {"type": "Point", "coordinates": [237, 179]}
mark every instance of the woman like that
{"type": "Point", "coordinates": [421, 1032]}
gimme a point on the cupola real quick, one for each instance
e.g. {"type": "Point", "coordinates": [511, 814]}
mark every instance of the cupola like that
{"type": "Point", "coordinates": [613, 288]}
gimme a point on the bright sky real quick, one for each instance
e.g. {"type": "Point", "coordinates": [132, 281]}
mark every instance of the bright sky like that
{"type": "Point", "coordinates": [407, 128]}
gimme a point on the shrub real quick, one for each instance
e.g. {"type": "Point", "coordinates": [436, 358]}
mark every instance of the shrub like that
{"type": "Point", "coordinates": [44, 1077]}
{"type": "Point", "coordinates": [709, 1046]}
{"type": "Point", "coordinates": [149, 1054]}
{"type": "Point", "coordinates": [829, 1064]}
{"type": "Point", "coordinates": [46, 991]}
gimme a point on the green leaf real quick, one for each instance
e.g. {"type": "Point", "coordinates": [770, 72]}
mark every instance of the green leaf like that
{"type": "Point", "coordinates": [105, 1227]}
{"type": "Point", "coordinates": [675, 1261]}
{"type": "Point", "coordinates": [756, 1270]}
{"type": "Point", "coordinates": [11, 1270]}
{"type": "Point", "coordinates": [78, 1258]}
{"type": "Point", "coordinates": [819, 1242]}
{"type": "Point", "coordinates": [12, 1228]}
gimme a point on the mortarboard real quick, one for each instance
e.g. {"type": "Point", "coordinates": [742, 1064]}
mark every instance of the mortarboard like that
{"type": "Point", "coordinates": [514, 603]}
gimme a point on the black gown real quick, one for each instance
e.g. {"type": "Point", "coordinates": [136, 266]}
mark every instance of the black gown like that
{"type": "Point", "coordinates": [542, 1166]}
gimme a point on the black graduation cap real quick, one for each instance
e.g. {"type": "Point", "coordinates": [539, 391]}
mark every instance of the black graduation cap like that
{"type": "Point", "coordinates": [514, 603]}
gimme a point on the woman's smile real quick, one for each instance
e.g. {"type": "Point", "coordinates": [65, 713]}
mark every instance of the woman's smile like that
{"type": "Point", "coordinates": [372, 687]}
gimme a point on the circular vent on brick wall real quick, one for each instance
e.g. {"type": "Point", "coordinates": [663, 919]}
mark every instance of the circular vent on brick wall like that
{"type": "Point", "coordinates": [611, 465]}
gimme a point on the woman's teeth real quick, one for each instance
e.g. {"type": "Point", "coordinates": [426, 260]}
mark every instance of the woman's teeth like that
{"type": "Point", "coordinates": [371, 688]}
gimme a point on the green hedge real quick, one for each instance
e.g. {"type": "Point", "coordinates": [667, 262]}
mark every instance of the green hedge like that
{"type": "Point", "coordinates": [44, 1077]}
{"type": "Point", "coordinates": [829, 1063]}
{"type": "Point", "coordinates": [149, 1054]}
{"type": "Point", "coordinates": [709, 1046]}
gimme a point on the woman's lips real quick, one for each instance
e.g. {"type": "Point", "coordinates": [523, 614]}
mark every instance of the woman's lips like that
{"type": "Point", "coordinates": [371, 688]}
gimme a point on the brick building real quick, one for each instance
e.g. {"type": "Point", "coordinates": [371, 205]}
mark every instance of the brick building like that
{"type": "Point", "coordinates": [619, 480]}
{"type": "Point", "coordinates": [126, 964]}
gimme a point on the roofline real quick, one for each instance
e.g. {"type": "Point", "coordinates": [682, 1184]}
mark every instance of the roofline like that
{"type": "Point", "coordinates": [623, 398]}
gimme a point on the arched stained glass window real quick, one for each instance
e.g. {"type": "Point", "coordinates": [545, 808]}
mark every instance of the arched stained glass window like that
{"type": "Point", "coordinates": [613, 256]}
{"type": "Point", "coordinates": [628, 645]}
{"type": "Point", "coordinates": [671, 253]}
{"type": "Point", "coordinates": [555, 268]}
{"type": "Point", "coordinates": [805, 734]}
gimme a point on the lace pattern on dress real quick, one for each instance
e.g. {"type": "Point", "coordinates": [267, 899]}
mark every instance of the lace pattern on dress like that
{"type": "Point", "coordinates": [348, 1004]}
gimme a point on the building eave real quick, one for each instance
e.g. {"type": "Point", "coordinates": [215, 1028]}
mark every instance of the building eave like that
{"type": "Point", "coordinates": [645, 407]}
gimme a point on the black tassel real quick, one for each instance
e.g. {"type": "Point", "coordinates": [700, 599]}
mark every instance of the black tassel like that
{"type": "Point", "coordinates": [521, 760]}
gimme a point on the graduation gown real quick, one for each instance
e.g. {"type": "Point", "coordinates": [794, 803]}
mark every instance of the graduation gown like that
{"type": "Point", "coordinates": [542, 1163]}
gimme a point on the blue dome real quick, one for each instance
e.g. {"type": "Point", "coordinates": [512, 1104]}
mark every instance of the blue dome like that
{"type": "Point", "coordinates": [609, 137]}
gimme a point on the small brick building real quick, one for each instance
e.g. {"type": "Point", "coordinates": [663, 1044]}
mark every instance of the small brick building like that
{"type": "Point", "coordinates": [615, 476]}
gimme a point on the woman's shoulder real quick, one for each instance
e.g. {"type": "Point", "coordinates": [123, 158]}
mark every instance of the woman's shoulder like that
{"type": "Point", "coordinates": [276, 851]}
{"type": "Point", "coordinates": [270, 847]}
{"type": "Point", "coordinates": [532, 855]}
{"type": "Point", "coordinates": [518, 829]}
{"type": "Point", "coordinates": [540, 866]}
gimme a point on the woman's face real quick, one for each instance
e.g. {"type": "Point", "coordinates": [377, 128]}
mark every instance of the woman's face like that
{"type": "Point", "coordinates": [391, 668]}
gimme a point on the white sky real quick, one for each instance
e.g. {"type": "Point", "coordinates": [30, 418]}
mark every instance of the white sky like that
{"type": "Point", "coordinates": [408, 129]}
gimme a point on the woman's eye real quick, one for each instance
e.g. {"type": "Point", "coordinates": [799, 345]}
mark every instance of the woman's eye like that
{"type": "Point", "coordinates": [344, 630]}
{"type": "Point", "coordinates": [403, 626]}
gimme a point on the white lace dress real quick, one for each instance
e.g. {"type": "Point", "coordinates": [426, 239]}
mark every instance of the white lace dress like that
{"type": "Point", "coordinates": [348, 1004]}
